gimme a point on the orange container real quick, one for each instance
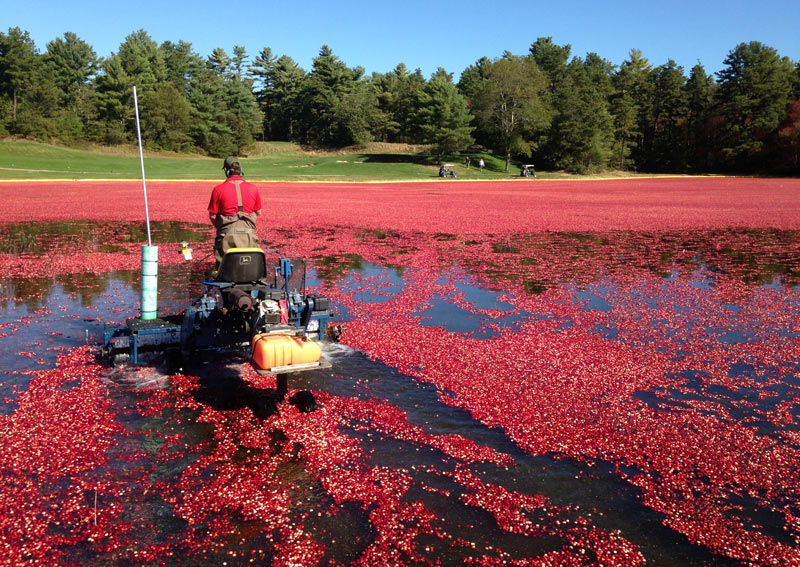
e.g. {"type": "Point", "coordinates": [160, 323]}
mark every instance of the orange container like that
{"type": "Point", "coordinates": [274, 350]}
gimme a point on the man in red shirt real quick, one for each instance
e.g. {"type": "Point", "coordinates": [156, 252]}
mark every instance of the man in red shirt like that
{"type": "Point", "coordinates": [233, 209]}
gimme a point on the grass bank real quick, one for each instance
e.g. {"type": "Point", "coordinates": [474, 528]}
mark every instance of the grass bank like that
{"type": "Point", "coordinates": [266, 161]}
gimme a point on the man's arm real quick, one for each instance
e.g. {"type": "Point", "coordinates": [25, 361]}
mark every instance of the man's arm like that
{"type": "Point", "coordinates": [213, 218]}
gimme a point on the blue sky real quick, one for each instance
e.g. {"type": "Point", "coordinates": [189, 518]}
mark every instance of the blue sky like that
{"type": "Point", "coordinates": [425, 35]}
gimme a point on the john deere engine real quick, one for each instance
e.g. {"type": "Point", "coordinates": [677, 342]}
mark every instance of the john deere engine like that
{"type": "Point", "coordinates": [230, 313]}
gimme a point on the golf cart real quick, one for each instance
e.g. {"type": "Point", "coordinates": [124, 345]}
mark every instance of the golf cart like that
{"type": "Point", "coordinates": [527, 171]}
{"type": "Point", "coordinates": [447, 170]}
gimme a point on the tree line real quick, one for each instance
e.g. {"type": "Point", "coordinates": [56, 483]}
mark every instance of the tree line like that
{"type": "Point", "coordinates": [579, 114]}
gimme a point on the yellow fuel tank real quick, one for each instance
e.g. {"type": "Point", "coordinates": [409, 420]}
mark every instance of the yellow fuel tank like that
{"type": "Point", "coordinates": [271, 350]}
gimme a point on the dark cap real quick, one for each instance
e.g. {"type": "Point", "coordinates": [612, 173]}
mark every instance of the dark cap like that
{"type": "Point", "coordinates": [230, 162]}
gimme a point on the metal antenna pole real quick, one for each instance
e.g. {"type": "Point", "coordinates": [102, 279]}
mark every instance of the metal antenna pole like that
{"type": "Point", "coordinates": [149, 308]}
{"type": "Point", "coordinates": [141, 160]}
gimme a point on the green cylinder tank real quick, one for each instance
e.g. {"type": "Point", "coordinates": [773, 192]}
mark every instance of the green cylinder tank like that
{"type": "Point", "coordinates": [149, 282]}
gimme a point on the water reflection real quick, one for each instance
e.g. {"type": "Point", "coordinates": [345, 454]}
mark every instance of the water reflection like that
{"type": "Point", "coordinates": [333, 268]}
{"type": "Point", "coordinates": [42, 238]}
{"type": "Point", "coordinates": [470, 308]}
{"type": "Point", "coordinates": [372, 283]}
{"type": "Point", "coordinates": [754, 256]}
{"type": "Point", "coordinates": [35, 293]}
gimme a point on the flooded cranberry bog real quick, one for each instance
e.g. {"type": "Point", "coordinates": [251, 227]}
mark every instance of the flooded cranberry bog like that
{"type": "Point", "coordinates": [529, 373]}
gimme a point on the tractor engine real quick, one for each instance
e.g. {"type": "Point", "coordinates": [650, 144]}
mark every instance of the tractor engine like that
{"type": "Point", "coordinates": [231, 316]}
{"type": "Point", "coordinates": [234, 315]}
{"type": "Point", "coordinates": [237, 312]}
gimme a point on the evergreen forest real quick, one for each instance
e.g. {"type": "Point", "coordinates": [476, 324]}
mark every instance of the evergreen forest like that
{"type": "Point", "coordinates": [567, 112]}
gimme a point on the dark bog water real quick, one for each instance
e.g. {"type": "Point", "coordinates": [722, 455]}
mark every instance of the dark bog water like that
{"type": "Point", "coordinates": [417, 431]}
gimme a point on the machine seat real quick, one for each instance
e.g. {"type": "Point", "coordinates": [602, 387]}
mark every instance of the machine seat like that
{"type": "Point", "coordinates": [242, 265]}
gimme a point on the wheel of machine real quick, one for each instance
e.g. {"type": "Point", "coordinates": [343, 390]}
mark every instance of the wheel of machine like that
{"type": "Point", "coordinates": [304, 401]}
{"type": "Point", "coordinates": [188, 346]}
{"type": "Point", "coordinates": [282, 384]}
{"type": "Point", "coordinates": [174, 361]}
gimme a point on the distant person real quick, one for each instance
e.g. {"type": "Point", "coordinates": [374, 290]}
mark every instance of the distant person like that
{"type": "Point", "coordinates": [468, 161]}
{"type": "Point", "coordinates": [481, 164]}
{"type": "Point", "coordinates": [442, 171]}
{"type": "Point", "coordinates": [233, 209]}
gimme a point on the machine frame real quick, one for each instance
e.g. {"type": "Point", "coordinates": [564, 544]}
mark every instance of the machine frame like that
{"type": "Point", "coordinates": [236, 304]}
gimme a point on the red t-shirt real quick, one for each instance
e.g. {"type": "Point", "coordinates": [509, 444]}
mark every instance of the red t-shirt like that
{"type": "Point", "coordinates": [223, 197]}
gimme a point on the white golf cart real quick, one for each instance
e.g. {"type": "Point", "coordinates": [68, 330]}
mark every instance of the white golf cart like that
{"type": "Point", "coordinates": [447, 170]}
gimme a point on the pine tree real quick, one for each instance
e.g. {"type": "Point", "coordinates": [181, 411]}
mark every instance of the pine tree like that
{"type": "Point", "coordinates": [789, 140]}
{"type": "Point", "coordinates": [166, 123]}
{"type": "Point", "coordinates": [631, 107]}
{"type": "Point", "coordinates": [72, 63]}
{"type": "Point", "coordinates": [238, 62]}
{"type": "Point", "coordinates": [409, 89]}
{"type": "Point", "coordinates": [669, 120]}
{"type": "Point", "coordinates": [19, 65]}
{"type": "Point", "coordinates": [114, 101]}
{"type": "Point", "coordinates": [699, 93]}
{"type": "Point", "coordinates": [582, 129]}
{"type": "Point", "coordinates": [333, 103]}
{"type": "Point", "coordinates": [384, 88]}
{"type": "Point", "coordinates": [472, 79]}
{"type": "Point", "coordinates": [219, 62]}
{"type": "Point", "coordinates": [139, 62]}
{"type": "Point", "coordinates": [142, 60]}
{"type": "Point", "coordinates": [443, 116]}
{"type": "Point", "coordinates": [278, 84]}
{"type": "Point", "coordinates": [262, 71]}
{"type": "Point", "coordinates": [551, 59]}
{"type": "Point", "coordinates": [242, 113]}
{"type": "Point", "coordinates": [179, 60]}
{"type": "Point", "coordinates": [209, 129]}
{"type": "Point", "coordinates": [288, 80]}
{"type": "Point", "coordinates": [755, 89]}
